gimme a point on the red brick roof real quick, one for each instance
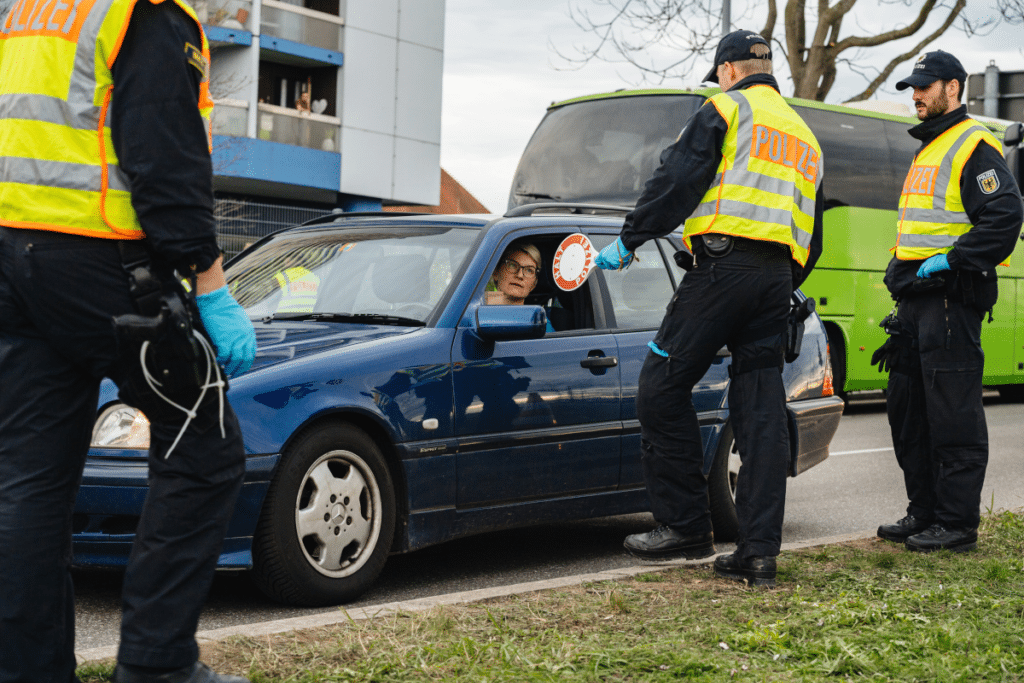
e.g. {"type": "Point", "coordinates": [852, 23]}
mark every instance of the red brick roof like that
{"type": "Point", "coordinates": [454, 199]}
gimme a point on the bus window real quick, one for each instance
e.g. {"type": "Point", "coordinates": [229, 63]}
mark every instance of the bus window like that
{"type": "Point", "coordinates": [856, 159]}
{"type": "Point", "coordinates": [600, 151]}
{"type": "Point", "coordinates": [902, 148]}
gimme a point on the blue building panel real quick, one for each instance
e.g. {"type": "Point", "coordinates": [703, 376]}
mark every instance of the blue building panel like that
{"type": "Point", "coordinates": [289, 47]}
{"type": "Point", "coordinates": [218, 35]}
{"type": "Point", "coordinates": [276, 162]}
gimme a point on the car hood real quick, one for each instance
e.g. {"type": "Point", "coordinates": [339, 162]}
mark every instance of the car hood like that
{"type": "Point", "coordinates": [279, 341]}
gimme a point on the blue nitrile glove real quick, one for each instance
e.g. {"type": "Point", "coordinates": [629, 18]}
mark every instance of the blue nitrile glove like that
{"type": "Point", "coordinates": [657, 349]}
{"type": "Point", "coordinates": [935, 264]}
{"type": "Point", "coordinates": [230, 329]}
{"type": "Point", "coordinates": [614, 257]}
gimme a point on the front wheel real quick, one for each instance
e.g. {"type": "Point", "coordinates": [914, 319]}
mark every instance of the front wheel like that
{"type": "Point", "coordinates": [328, 520]}
{"type": "Point", "coordinates": [725, 472]}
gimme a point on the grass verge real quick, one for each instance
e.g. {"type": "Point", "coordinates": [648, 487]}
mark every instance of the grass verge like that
{"type": "Point", "coordinates": [866, 610]}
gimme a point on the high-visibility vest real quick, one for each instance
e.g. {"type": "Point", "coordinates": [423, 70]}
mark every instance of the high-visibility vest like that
{"type": "Point", "coordinates": [59, 170]}
{"type": "Point", "coordinates": [931, 215]}
{"type": "Point", "coordinates": [298, 290]}
{"type": "Point", "coordinates": [769, 176]}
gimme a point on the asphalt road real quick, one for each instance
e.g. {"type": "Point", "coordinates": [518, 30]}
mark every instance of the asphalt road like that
{"type": "Point", "coordinates": [857, 488]}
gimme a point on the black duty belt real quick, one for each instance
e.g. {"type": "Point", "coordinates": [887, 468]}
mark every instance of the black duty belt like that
{"type": "Point", "coordinates": [714, 244]}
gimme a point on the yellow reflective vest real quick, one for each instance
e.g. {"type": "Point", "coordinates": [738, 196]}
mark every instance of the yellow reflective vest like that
{"type": "Point", "coordinates": [769, 176]}
{"type": "Point", "coordinates": [59, 169]}
{"type": "Point", "coordinates": [931, 214]}
{"type": "Point", "coordinates": [298, 290]}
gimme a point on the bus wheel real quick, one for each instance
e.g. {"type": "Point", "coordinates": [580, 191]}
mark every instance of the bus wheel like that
{"type": "Point", "coordinates": [1011, 393]}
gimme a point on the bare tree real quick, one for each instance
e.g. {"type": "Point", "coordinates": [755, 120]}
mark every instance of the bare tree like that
{"type": "Point", "coordinates": [808, 35]}
{"type": "Point", "coordinates": [1011, 10]}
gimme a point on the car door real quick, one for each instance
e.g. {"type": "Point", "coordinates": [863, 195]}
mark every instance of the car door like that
{"type": "Point", "coordinates": [537, 419]}
{"type": "Point", "coordinates": [636, 298]}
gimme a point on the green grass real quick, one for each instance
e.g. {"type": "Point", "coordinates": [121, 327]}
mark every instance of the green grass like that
{"type": "Point", "coordinates": [863, 611]}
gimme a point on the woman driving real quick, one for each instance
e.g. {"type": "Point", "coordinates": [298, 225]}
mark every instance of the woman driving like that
{"type": "Point", "coordinates": [516, 275]}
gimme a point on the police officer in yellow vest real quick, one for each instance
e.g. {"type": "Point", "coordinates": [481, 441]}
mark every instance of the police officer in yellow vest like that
{"type": "Point", "coordinates": [104, 141]}
{"type": "Point", "coordinates": [745, 176]}
{"type": "Point", "coordinates": [299, 286]}
{"type": "Point", "coordinates": [959, 218]}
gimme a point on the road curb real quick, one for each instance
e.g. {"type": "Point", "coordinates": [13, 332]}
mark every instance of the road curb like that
{"type": "Point", "coordinates": [342, 615]}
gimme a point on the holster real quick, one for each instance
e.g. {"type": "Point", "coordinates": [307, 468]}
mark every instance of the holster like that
{"type": "Point", "coordinates": [165, 319]}
{"type": "Point", "coordinates": [799, 312]}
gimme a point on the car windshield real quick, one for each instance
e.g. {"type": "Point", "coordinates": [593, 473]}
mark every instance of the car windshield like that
{"type": "Point", "coordinates": [380, 275]}
{"type": "Point", "coordinates": [600, 151]}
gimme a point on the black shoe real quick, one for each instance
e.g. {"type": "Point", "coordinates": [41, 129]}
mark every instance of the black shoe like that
{"type": "Point", "coordinates": [899, 531]}
{"type": "Point", "coordinates": [756, 571]}
{"type": "Point", "coordinates": [665, 543]}
{"type": "Point", "coordinates": [194, 673]}
{"type": "Point", "coordinates": [938, 537]}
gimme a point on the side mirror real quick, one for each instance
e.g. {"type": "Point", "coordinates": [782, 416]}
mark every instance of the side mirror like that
{"type": "Point", "coordinates": [511, 322]}
{"type": "Point", "coordinates": [1013, 135]}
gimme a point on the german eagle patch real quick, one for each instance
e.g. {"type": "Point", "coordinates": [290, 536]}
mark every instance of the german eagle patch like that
{"type": "Point", "coordinates": [988, 181]}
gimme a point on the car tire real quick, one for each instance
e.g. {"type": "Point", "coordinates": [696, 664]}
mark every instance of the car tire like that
{"type": "Point", "coordinates": [722, 488]}
{"type": "Point", "coordinates": [1011, 393]}
{"type": "Point", "coordinates": [328, 520]}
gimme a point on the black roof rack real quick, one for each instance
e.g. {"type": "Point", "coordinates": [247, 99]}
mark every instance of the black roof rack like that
{"type": "Point", "coordinates": [335, 214]}
{"type": "Point", "coordinates": [557, 207]}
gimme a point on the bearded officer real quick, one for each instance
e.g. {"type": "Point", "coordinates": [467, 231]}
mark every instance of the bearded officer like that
{"type": "Point", "coordinates": [959, 218]}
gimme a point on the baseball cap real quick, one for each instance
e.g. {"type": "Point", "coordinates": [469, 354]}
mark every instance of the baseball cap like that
{"type": "Point", "coordinates": [934, 66]}
{"type": "Point", "coordinates": [735, 47]}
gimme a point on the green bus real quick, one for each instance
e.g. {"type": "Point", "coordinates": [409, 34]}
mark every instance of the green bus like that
{"type": "Point", "coordinates": [601, 149]}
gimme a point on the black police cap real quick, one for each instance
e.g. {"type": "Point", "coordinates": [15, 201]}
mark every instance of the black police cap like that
{"type": "Point", "coordinates": [735, 47]}
{"type": "Point", "coordinates": [934, 66]}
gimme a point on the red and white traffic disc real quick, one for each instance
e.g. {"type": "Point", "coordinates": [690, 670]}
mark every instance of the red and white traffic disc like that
{"type": "Point", "coordinates": [573, 262]}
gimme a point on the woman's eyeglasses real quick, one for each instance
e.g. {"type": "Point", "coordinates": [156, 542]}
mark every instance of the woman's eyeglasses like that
{"type": "Point", "coordinates": [513, 268]}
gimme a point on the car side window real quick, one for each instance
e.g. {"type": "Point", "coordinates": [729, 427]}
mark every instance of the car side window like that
{"type": "Point", "coordinates": [640, 292]}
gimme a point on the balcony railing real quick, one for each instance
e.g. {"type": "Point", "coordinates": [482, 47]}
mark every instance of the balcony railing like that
{"type": "Point", "coordinates": [232, 14]}
{"type": "Point", "coordinates": [288, 126]}
{"type": "Point", "coordinates": [230, 117]}
{"type": "Point", "coordinates": [301, 25]}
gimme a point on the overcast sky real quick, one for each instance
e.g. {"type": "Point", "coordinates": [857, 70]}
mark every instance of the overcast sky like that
{"type": "Point", "coordinates": [500, 74]}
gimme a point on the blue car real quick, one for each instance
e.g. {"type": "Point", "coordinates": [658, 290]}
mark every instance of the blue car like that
{"type": "Point", "coordinates": [390, 408]}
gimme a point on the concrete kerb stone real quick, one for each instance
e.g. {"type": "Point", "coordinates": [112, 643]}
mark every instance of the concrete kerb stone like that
{"type": "Point", "coordinates": [342, 615]}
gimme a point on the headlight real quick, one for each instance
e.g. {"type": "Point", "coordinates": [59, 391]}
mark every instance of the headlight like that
{"type": "Point", "coordinates": [121, 426]}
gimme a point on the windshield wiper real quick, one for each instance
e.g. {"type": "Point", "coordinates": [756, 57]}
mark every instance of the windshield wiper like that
{"type": "Point", "coordinates": [537, 195]}
{"type": "Point", "coordinates": [375, 318]}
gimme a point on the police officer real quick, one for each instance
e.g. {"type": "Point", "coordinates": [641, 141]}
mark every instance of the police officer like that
{"type": "Point", "coordinates": [104, 137]}
{"type": "Point", "coordinates": [745, 175]}
{"type": "Point", "coordinates": [959, 217]}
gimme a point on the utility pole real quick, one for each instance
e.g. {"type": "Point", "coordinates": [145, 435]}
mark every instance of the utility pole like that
{"type": "Point", "coordinates": [726, 19]}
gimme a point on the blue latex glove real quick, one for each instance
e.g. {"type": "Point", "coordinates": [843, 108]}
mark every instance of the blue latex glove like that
{"type": "Point", "coordinates": [230, 329]}
{"type": "Point", "coordinates": [614, 257]}
{"type": "Point", "coordinates": [657, 349]}
{"type": "Point", "coordinates": [935, 264]}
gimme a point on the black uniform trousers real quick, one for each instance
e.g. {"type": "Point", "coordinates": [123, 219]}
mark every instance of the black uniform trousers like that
{"type": "Point", "coordinates": [57, 296]}
{"type": "Point", "coordinates": [935, 409]}
{"type": "Point", "coordinates": [740, 300]}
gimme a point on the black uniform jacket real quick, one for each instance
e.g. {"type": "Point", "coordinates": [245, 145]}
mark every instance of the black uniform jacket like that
{"type": "Point", "coordinates": [996, 217]}
{"type": "Point", "coordinates": [686, 172]}
{"type": "Point", "coordinates": [160, 137]}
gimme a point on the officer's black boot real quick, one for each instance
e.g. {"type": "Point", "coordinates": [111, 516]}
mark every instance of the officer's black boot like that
{"type": "Point", "coordinates": [194, 673]}
{"type": "Point", "coordinates": [665, 543]}
{"type": "Point", "coordinates": [900, 530]}
{"type": "Point", "coordinates": [753, 571]}
{"type": "Point", "coordinates": [938, 537]}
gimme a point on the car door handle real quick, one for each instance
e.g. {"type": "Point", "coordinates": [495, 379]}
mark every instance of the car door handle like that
{"type": "Point", "coordinates": [599, 362]}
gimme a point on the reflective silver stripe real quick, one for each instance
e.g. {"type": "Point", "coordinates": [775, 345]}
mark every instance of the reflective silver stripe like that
{"type": "Point", "coordinates": [915, 241]}
{"type": "Point", "coordinates": [79, 116]}
{"type": "Point", "coordinates": [945, 173]}
{"type": "Point", "coordinates": [83, 76]}
{"type": "Point", "coordinates": [61, 174]}
{"type": "Point", "coordinates": [936, 216]}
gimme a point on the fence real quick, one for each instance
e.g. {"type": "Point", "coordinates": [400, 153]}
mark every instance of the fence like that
{"type": "Point", "coordinates": [240, 223]}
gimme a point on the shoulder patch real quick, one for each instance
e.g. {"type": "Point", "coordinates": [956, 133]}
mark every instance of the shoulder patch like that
{"type": "Point", "coordinates": [196, 59]}
{"type": "Point", "coordinates": [988, 181]}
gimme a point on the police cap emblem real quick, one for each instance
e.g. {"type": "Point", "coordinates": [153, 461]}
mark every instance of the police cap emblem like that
{"type": "Point", "coordinates": [988, 181]}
